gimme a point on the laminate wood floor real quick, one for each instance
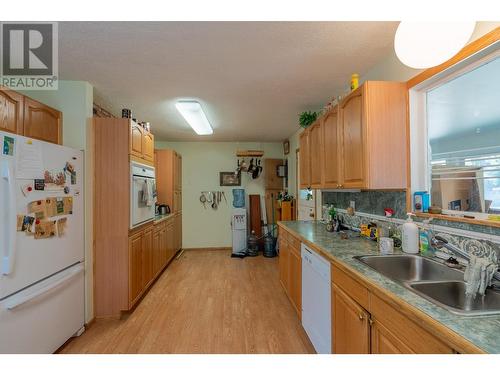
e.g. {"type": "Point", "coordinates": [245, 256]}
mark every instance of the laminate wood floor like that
{"type": "Point", "coordinates": [205, 302]}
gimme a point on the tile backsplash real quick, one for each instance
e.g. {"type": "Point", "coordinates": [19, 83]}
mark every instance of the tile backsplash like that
{"type": "Point", "coordinates": [374, 202]}
{"type": "Point", "coordinates": [370, 202]}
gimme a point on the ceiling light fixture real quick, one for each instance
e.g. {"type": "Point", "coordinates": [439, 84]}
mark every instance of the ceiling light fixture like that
{"type": "Point", "coordinates": [193, 114]}
{"type": "Point", "coordinates": [422, 45]}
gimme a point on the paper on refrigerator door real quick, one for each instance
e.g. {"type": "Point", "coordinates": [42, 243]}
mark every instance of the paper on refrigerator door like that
{"type": "Point", "coordinates": [29, 163]}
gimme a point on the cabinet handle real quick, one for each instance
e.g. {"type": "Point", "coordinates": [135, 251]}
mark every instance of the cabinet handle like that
{"type": "Point", "coordinates": [361, 317]}
{"type": "Point", "coordinates": [371, 322]}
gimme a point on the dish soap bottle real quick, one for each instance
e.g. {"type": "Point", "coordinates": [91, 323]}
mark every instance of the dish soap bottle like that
{"type": "Point", "coordinates": [409, 234]}
{"type": "Point", "coordinates": [425, 248]}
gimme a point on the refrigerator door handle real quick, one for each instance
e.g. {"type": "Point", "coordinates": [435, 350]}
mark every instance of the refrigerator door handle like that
{"type": "Point", "coordinates": [11, 224]}
{"type": "Point", "coordinates": [11, 305]}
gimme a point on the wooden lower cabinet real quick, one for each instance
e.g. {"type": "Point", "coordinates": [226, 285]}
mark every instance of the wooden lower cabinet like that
{"type": "Point", "coordinates": [363, 323]}
{"type": "Point", "coordinates": [350, 325]}
{"type": "Point", "coordinates": [177, 230]}
{"type": "Point", "coordinates": [135, 267]}
{"type": "Point", "coordinates": [283, 264]}
{"type": "Point", "coordinates": [150, 250]}
{"type": "Point", "coordinates": [290, 270]}
{"type": "Point", "coordinates": [147, 258]}
{"type": "Point", "coordinates": [295, 279]}
{"type": "Point", "coordinates": [383, 341]}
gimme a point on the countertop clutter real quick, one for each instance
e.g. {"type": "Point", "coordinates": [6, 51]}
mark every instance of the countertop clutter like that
{"type": "Point", "coordinates": [482, 332]}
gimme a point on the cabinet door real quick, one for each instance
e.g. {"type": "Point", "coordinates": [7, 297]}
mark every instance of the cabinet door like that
{"type": "Point", "coordinates": [330, 151]}
{"type": "Point", "coordinates": [295, 278]}
{"type": "Point", "coordinates": [177, 232]}
{"type": "Point", "coordinates": [315, 146]}
{"type": "Point", "coordinates": [135, 267]}
{"type": "Point", "coordinates": [156, 251]}
{"type": "Point", "coordinates": [350, 325]}
{"type": "Point", "coordinates": [177, 201]}
{"type": "Point", "coordinates": [11, 111]}
{"type": "Point", "coordinates": [353, 142]}
{"type": "Point", "coordinates": [283, 263]}
{"type": "Point", "coordinates": [178, 172]}
{"type": "Point", "coordinates": [163, 245]}
{"type": "Point", "coordinates": [304, 160]}
{"type": "Point", "coordinates": [384, 342]}
{"type": "Point", "coordinates": [170, 240]}
{"type": "Point", "coordinates": [148, 146]}
{"type": "Point", "coordinates": [136, 143]}
{"type": "Point", "coordinates": [147, 257]}
{"type": "Point", "coordinates": [42, 122]}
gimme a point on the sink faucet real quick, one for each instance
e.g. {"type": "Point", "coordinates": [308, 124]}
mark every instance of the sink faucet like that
{"type": "Point", "coordinates": [439, 242]}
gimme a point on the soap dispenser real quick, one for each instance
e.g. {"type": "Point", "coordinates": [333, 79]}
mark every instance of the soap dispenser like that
{"type": "Point", "coordinates": [409, 234]}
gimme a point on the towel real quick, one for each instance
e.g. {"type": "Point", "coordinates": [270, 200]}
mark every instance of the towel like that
{"type": "Point", "coordinates": [147, 193]}
{"type": "Point", "coordinates": [478, 275]}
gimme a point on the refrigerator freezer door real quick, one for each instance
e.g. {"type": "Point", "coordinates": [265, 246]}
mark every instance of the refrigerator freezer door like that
{"type": "Point", "coordinates": [42, 317]}
{"type": "Point", "coordinates": [8, 234]}
{"type": "Point", "coordinates": [27, 259]}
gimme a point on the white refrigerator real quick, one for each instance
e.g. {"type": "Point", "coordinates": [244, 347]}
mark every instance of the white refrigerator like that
{"type": "Point", "coordinates": [41, 244]}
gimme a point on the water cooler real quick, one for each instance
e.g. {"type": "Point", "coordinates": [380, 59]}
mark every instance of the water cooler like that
{"type": "Point", "coordinates": [239, 223]}
{"type": "Point", "coordinates": [239, 228]}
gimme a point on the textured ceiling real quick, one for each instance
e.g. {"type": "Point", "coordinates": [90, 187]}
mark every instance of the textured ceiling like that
{"type": "Point", "coordinates": [252, 78]}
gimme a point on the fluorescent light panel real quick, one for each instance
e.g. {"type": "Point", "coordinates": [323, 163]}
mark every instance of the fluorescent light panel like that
{"type": "Point", "coordinates": [193, 114]}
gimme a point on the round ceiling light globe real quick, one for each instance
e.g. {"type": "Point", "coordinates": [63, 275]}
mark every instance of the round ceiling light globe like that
{"type": "Point", "coordinates": [422, 45]}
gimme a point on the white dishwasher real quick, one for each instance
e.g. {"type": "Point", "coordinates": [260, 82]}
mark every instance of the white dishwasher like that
{"type": "Point", "coordinates": [316, 300]}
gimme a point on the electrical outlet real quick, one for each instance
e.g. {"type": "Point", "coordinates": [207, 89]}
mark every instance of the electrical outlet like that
{"type": "Point", "coordinates": [352, 204]}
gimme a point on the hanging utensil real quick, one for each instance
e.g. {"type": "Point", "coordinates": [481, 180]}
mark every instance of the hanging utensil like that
{"type": "Point", "coordinates": [214, 201]}
{"type": "Point", "coordinates": [224, 195]}
{"type": "Point", "coordinates": [203, 200]}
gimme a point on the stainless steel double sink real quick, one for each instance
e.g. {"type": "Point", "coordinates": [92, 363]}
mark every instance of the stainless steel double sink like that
{"type": "Point", "coordinates": [434, 281]}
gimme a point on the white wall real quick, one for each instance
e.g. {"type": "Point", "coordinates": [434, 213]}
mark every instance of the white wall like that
{"type": "Point", "coordinates": [74, 99]}
{"type": "Point", "coordinates": [201, 164]}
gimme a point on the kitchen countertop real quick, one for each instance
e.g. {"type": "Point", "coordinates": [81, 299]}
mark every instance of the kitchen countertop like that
{"type": "Point", "coordinates": [481, 331]}
{"type": "Point", "coordinates": [159, 218]}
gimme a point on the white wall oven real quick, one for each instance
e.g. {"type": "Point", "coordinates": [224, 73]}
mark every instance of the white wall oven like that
{"type": "Point", "coordinates": [142, 194]}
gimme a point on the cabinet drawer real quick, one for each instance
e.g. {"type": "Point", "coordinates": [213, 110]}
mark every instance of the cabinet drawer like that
{"type": "Point", "coordinates": [354, 289]}
{"type": "Point", "coordinates": [415, 338]}
{"type": "Point", "coordinates": [294, 242]}
{"type": "Point", "coordinates": [283, 235]}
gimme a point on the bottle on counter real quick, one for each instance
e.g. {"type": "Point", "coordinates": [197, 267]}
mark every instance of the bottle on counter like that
{"type": "Point", "coordinates": [409, 234]}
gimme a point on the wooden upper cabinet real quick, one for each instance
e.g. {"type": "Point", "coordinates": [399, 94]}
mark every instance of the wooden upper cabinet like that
{"type": "Point", "coordinates": [148, 146]}
{"type": "Point", "coordinates": [350, 325]}
{"type": "Point", "coordinates": [42, 122]}
{"type": "Point", "coordinates": [304, 160]}
{"type": "Point", "coordinates": [315, 144]}
{"type": "Point", "coordinates": [11, 111]}
{"type": "Point", "coordinates": [330, 150]}
{"type": "Point", "coordinates": [353, 141]}
{"type": "Point", "coordinates": [136, 142]}
{"type": "Point", "coordinates": [178, 171]}
{"type": "Point", "coordinates": [359, 144]}
{"type": "Point", "coordinates": [141, 143]}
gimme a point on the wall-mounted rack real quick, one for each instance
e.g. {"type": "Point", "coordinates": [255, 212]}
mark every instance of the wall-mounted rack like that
{"type": "Point", "coordinates": [249, 153]}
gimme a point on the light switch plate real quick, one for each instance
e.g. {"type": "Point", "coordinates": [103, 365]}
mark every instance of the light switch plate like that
{"type": "Point", "coordinates": [352, 204]}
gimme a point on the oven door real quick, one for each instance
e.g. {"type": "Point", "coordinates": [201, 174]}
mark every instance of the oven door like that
{"type": "Point", "coordinates": [140, 213]}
